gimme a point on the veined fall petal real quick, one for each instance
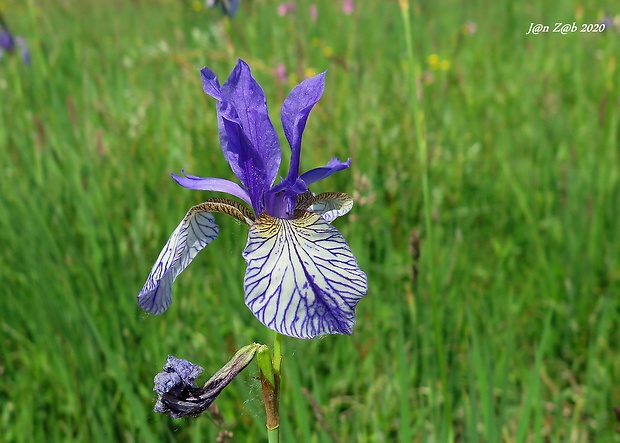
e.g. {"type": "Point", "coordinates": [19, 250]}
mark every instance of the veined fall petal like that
{"type": "Point", "coordinates": [196, 230]}
{"type": "Point", "coordinates": [302, 279]}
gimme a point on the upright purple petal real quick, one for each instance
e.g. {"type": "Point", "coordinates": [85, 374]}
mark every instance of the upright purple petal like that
{"type": "Point", "coordinates": [246, 96]}
{"type": "Point", "coordinates": [210, 83]}
{"type": "Point", "coordinates": [295, 111]}
{"type": "Point", "coordinates": [317, 174]}
{"type": "Point", "coordinates": [248, 138]}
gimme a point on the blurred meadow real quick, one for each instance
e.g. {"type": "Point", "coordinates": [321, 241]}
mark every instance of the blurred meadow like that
{"type": "Point", "coordinates": [486, 175]}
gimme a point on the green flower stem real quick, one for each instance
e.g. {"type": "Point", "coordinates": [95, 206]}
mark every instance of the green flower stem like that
{"type": "Point", "coordinates": [270, 370]}
{"type": "Point", "coordinates": [273, 435]}
{"type": "Point", "coordinates": [264, 365]}
{"type": "Point", "coordinates": [277, 353]}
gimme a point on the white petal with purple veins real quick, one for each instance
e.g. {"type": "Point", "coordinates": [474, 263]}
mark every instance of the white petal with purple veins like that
{"type": "Point", "coordinates": [302, 279]}
{"type": "Point", "coordinates": [331, 205]}
{"type": "Point", "coordinates": [196, 231]}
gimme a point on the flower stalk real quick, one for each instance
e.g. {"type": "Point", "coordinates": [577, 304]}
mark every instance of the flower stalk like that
{"type": "Point", "coordinates": [269, 373]}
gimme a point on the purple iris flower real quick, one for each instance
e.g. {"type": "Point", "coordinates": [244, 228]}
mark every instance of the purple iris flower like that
{"type": "Point", "coordinates": [8, 42]}
{"type": "Point", "coordinates": [302, 280]}
{"type": "Point", "coordinates": [229, 7]}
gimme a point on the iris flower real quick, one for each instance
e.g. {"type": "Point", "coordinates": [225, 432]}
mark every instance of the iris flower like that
{"type": "Point", "coordinates": [8, 42]}
{"type": "Point", "coordinates": [302, 280]}
{"type": "Point", "coordinates": [229, 7]}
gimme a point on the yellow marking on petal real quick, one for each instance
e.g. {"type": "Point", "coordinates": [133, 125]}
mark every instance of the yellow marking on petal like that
{"type": "Point", "coordinates": [302, 199]}
{"type": "Point", "coordinates": [228, 207]}
{"type": "Point", "coordinates": [266, 225]}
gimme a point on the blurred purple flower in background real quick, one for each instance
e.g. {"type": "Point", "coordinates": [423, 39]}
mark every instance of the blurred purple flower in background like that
{"type": "Point", "coordinates": [348, 7]}
{"type": "Point", "coordinates": [280, 73]}
{"type": "Point", "coordinates": [228, 7]}
{"type": "Point", "coordinates": [289, 8]}
{"type": "Point", "coordinates": [302, 279]}
{"type": "Point", "coordinates": [8, 42]}
{"type": "Point", "coordinates": [469, 28]}
{"type": "Point", "coordinates": [611, 22]}
{"type": "Point", "coordinates": [286, 8]}
{"type": "Point", "coordinates": [313, 12]}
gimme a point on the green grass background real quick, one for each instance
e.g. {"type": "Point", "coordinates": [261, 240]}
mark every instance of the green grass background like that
{"type": "Point", "coordinates": [509, 333]}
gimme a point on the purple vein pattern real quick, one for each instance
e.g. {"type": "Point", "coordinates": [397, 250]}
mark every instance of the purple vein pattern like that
{"type": "Point", "coordinates": [302, 279]}
{"type": "Point", "coordinates": [195, 231]}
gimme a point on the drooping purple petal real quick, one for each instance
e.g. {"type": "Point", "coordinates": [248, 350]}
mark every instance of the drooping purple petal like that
{"type": "Point", "coordinates": [317, 174]}
{"type": "Point", "coordinates": [302, 279]}
{"type": "Point", "coordinates": [295, 111]}
{"type": "Point", "coordinates": [195, 231]}
{"type": "Point", "coordinates": [212, 184]}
